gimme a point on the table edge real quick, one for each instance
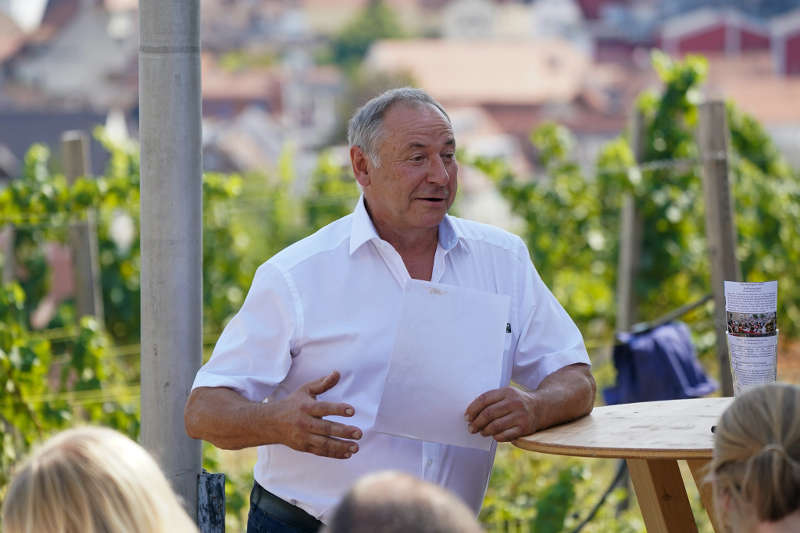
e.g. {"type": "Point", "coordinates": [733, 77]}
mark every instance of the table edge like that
{"type": "Point", "coordinates": [614, 453]}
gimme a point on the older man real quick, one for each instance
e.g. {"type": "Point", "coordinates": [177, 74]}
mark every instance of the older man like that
{"type": "Point", "coordinates": [315, 334]}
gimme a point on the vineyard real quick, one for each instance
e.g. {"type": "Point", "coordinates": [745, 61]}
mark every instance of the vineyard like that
{"type": "Point", "coordinates": [76, 369]}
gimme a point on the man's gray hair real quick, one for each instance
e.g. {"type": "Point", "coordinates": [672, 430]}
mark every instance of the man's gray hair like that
{"type": "Point", "coordinates": [365, 128]}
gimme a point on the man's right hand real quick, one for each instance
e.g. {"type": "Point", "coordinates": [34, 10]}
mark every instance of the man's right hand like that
{"type": "Point", "coordinates": [300, 417]}
{"type": "Point", "coordinates": [230, 421]}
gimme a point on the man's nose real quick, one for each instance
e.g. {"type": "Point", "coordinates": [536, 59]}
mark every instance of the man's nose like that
{"type": "Point", "coordinates": [438, 172]}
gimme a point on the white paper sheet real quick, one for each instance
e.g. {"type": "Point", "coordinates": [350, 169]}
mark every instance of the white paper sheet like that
{"type": "Point", "coordinates": [754, 361]}
{"type": "Point", "coordinates": [448, 351]}
{"type": "Point", "coordinates": [751, 297]}
{"type": "Point", "coordinates": [752, 326]}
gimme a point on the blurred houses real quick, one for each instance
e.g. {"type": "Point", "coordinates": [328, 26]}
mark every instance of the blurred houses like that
{"type": "Point", "coordinates": [67, 65]}
{"type": "Point", "coordinates": [501, 66]}
{"type": "Point", "coordinates": [582, 63]}
{"type": "Point", "coordinates": [786, 44]}
{"type": "Point", "coordinates": [262, 91]}
{"type": "Point", "coordinates": [709, 30]}
{"type": "Point", "coordinates": [519, 84]}
{"type": "Point", "coordinates": [753, 84]}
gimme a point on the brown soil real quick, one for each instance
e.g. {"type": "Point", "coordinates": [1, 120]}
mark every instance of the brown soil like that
{"type": "Point", "coordinates": [789, 360]}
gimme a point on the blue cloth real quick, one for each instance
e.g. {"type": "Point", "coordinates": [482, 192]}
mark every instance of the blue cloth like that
{"type": "Point", "coordinates": [260, 522]}
{"type": "Point", "coordinates": [270, 514]}
{"type": "Point", "coordinates": [657, 364]}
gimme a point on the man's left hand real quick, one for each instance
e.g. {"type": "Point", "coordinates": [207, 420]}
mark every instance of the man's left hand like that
{"type": "Point", "coordinates": [504, 414]}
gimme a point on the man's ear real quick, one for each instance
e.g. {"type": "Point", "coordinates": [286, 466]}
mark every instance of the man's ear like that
{"type": "Point", "coordinates": [360, 165]}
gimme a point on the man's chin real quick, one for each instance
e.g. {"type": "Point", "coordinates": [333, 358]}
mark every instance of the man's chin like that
{"type": "Point", "coordinates": [432, 218]}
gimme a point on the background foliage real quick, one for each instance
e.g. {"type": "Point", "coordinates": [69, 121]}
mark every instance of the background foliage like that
{"type": "Point", "coordinates": [572, 220]}
{"type": "Point", "coordinates": [75, 370]}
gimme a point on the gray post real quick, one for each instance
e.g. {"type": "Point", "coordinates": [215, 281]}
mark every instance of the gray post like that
{"type": "Point", "coordinates": [171, 233]}
{"type": "Point", "coordinates": [630, 238]}
{"type": "Point", "coordinates": [83, 234]}
{"type": "Point", "coordinates": [7, 238]}
{"type": "Point", "coordinates": [720, 229]}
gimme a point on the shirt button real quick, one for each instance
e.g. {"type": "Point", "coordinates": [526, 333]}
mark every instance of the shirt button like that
{"type": "Point", "coordinates": [429, 462]}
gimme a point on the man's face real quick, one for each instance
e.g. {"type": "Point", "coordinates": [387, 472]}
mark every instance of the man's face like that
{"type": "Point", "coordinates": [416, 181]}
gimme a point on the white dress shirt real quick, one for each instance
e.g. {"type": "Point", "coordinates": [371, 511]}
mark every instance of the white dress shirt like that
{"type": "Point", "coordinates": [331, 302]}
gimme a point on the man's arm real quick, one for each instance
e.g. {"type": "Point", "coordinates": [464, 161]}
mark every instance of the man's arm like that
{"type": "Point", "coordinates": [228, 420]}
{"type": "Point", "coordinates": [509, 413]}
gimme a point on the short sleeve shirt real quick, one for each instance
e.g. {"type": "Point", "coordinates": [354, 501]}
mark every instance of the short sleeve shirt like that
{"type": "Point", "coordinates": [331, 302]}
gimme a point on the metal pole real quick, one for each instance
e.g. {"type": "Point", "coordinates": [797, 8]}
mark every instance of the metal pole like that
{"type": "Point", "coordinates": [720, 227]}
{"type": "Point", "coordinates": [171, 238]}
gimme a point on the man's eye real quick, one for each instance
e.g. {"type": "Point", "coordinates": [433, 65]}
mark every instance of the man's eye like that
{"type": "Point", "coordinates": [449, 156]}
{"type": "Point", "coordinates": [417, 158]}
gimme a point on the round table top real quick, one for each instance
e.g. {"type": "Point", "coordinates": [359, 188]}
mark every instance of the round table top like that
{"type": "Point", "coordinates": [673, 429]}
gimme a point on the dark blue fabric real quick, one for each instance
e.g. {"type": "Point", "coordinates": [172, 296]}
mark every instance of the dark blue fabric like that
{"type": "Point", "coordinates": [658, 364]}
{"type": "Point", "coordinates": [260, 522]}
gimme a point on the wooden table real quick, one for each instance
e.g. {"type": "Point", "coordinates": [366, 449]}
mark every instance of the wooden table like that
{"type": "Point", "coordinates": [652, 437]}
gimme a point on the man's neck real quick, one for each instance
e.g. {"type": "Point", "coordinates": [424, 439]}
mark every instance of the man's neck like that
{"type": "Point", "coordinates": [414, 242]}
{"type": "Point", "coordinates": [416, 246]}
{"type": "Point", "coordinates": [417, 249]}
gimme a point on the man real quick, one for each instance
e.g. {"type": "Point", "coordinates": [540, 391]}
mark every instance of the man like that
{"type": "Point", "coordinates": [315, 333]}
{"type": "Point", "coordinates": [394, 502]}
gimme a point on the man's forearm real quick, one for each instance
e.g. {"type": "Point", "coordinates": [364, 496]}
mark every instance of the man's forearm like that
{"type": "Point", "coordinates": [564, 395]}
{"type": "Point", "coordinates": [227, 420]}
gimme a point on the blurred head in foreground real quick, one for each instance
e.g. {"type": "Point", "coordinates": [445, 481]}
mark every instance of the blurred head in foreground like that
{"type": "Point", "coordinates": [92, 480]}
{"type": "Point", "coordinates": [393, 502]}
{"type": "Point", "coordinates": [755, 469]}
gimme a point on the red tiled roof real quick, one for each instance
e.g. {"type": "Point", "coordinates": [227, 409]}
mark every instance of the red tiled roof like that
{"type": "Point", "coordinates": [751, 82]}
{"type": "Point", "coordinates": [232, 85]}
{"type": "Point", "coordinates": [121, 5]}
{"type": "Point", "coordinates": [487, 72]}
{"type": "Point", "coordinates": [11, 38]}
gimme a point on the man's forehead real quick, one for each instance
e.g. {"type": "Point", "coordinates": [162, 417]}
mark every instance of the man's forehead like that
{"type": "Point", "coordinates": [412, 108]}
{"type": "Point", "coordinates": [417, 122]}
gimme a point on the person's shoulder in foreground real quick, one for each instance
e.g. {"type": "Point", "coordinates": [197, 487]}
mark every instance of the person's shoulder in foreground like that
{"type": "Point", "coordinates": [394, 502]}
{"type": "Point", "coordinates": [92, 480]}
{"type": "Point", "coordinates": [755, 469]}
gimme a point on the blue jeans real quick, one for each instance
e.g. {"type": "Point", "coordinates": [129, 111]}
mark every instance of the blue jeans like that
{"type": "Point", "coordinates": [261, 521]}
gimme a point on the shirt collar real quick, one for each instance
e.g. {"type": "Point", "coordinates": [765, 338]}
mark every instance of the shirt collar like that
{"type": "Point", "coordinates": [363, 230]}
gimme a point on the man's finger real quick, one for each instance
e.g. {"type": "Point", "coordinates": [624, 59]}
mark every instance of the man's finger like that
{"type": "Point", "coordinates": [320, 409]}
{"type": "Point", "coordinates": [490, 413]}
{"type": "Point", "coordinates": [499, 425]}
{"type": "Point", "coordinates": [322, 384]}
{"type": "Point", "coordinates": [326, 428]}
{"type": "Point", "coordinates": [481, 402]}
{"type": "Point", "coordinates": [330, 447]}
{"type": "Point", "coordinates": [510, 434]}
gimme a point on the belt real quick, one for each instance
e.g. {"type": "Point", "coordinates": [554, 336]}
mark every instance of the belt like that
{"type": "Point", "coordinates": [280, 509]}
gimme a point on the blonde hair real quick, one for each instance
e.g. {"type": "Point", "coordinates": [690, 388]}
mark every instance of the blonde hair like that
{"type": "Point", "coordinates": [756, 460]}
{"type": "Point", "coordinates": [92, 480]}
